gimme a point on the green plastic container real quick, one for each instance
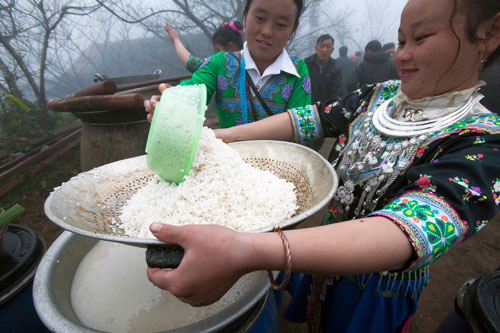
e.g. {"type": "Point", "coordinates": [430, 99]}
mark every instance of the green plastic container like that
{"type": "Point", "coordinates": [175, 131]}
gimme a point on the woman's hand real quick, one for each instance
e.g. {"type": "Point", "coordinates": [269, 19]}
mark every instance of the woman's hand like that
{"type": "Point", "coordinates": [225, 134]}
{"type": "Point", "coordinates": [182, 53]}
{"type": "Point", "coordinates": [213, 261]}
{"type": "Point", "coordinates": [150, 104]}
{"type": "Point", "coordinates": [172, 33]}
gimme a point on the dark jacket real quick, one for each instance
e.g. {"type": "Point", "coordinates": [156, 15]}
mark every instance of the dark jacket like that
{"type": "Point", "coordinates": [326, 82]}
{"type": "Point", "coordinates": [346, 66]}
{"type": "Point", "coordinates": [376, 67]}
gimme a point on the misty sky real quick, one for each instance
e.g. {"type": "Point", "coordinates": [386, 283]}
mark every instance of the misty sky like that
{"type": "Point", "coordinates": [368, 19]}
{"type": "Point", "coordinates": [371, 19]}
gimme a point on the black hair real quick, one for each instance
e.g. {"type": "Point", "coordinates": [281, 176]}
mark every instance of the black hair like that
{"type": "Point", "coordinates": [298, 3]}
{"type": "Point", "coordinates": [325, 37]}
{"type": "Point", "coordinates": [343, 50]}
{"type": "Point", "coordinates": [388, 46]}
{"type": "Point", "coordinates": [229, 33]}
{"type": "Point", "coordinates": [373, 46]}
{"type": "Point", "coordinates": [476, 12]}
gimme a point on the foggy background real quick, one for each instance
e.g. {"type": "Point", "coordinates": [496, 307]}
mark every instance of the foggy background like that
{"type": "Point", "coordinates": [55, 48]}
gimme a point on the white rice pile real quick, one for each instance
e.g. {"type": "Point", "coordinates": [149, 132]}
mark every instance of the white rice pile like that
{"type": "Point", "coordinates": [220, 189]}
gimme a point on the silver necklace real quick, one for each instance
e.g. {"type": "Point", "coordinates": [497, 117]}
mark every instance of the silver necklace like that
{"type": "Point", "coordinates": [394, 128]}
{"type": "Point", "coordinates": [380, 150]}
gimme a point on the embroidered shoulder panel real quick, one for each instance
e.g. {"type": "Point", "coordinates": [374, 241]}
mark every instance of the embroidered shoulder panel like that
{"type": "Point", "coordinates": [381, 92]}
{"type": "Point", "coordinates": [232, 71]}
{"type": "Point", "coordinates": [484, 123]}
{"type": "Point", "coordinates": [276, 93]}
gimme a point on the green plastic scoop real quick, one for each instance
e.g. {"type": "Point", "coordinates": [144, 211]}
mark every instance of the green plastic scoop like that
{"type": "Point", "coordinates": [175, 131]}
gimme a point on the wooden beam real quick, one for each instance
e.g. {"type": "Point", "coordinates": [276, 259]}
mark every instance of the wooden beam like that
{"type": "Point", "coordinates": [37, 167]}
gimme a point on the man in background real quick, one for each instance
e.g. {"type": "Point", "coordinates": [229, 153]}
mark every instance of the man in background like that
{"type": "Point", "coordinates": [326, 78]}
{"type": "Point", "coordinates": [346, 66]}
{"type": "Point", "coordinates": [377, 66]}
{"type": "Point", "coordinates": [390, 48]}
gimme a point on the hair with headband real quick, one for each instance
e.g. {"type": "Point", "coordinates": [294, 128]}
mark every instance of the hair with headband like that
{"type": "Point", "coordinates": [231, 32]}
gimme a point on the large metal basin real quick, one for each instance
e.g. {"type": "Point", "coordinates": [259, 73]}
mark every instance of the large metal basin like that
{"type": "Point", "coordinates": [55, 274]}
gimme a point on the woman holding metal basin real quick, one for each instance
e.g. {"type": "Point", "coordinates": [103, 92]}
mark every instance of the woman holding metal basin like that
{"type": "Point", "coordinates": [418, 162]}
{"type": "Point", "coordinates": [271, 81]}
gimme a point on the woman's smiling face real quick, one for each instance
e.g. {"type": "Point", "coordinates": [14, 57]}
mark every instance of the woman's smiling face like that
{"type": "Point", "coordinates": [269, 25]}
{"type": "Point", "coordinates": [435, 57]}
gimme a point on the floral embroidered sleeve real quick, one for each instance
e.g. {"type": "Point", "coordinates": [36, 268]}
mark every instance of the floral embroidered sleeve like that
{"type": "Point", "coordinates": [450, 195]}
{"type": "Point", "coordinates": [306, 123]}
{"type": "Point", "coordinates": [328, 119]}
{"type": "Point", "coordinates": [194, 63]}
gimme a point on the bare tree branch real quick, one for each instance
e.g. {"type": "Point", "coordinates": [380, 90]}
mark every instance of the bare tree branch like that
{"type": "Point", "coordinates": [27, 30]}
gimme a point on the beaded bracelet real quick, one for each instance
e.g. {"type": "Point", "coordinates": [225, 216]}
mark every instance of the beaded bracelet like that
{"type": "Point", "coordinates": [288, 258]}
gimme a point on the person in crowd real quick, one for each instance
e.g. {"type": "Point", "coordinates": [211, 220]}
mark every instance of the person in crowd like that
{"type": "Point", "coordinates": [418, 162]}
{"type": "Point", "coordinates": [228, 37]}
{"type": "Point", "coordinates": [357, 57]}
{"type": "Point", "coordinates": [262, 79]}
{"type": "Point", "coordinates": [326, 78]}
{"type": "Point", "coordinates": [346, 66]}
{"type": "Point", "coordinates": [389, 48]}
{"type": "Point", "coordinates": [377, 66]}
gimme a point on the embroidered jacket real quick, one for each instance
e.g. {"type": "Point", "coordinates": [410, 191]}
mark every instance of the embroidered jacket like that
{"type": "Point", "coordinates": [451, 187]}
{"type": "Point", "coordinates": [220, 74]}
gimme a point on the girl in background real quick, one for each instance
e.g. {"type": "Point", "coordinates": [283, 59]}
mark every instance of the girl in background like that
{"type": "Point", "coordinates": [228, 37]}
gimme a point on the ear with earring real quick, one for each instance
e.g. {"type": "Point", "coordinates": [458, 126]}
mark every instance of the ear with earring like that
{"type": "Point", "coordinates": [482, 62]}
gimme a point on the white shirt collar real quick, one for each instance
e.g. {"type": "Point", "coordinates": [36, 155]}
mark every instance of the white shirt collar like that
{"type": "Point", "coordinates": [282, 63]}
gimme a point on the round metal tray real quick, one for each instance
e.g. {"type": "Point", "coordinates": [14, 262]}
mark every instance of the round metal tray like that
{"type": "Point", "coordinates": [90, 203]}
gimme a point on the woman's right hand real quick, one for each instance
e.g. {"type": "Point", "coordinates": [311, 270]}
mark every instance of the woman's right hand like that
{"type": "Point", "coordinates": [150, 104]}
{"type": "Point", "coordinates": [214, 259]}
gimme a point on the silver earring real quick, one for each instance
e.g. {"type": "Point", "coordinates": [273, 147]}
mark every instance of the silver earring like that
{"type": "Point", "coordinates": [482, 62]}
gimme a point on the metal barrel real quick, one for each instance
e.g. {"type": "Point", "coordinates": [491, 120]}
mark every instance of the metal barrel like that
{"type": "Point", "coordinates": [105, 143]}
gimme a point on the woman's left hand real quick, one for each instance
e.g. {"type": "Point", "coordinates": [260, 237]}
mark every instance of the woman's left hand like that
{"type": "Point", "coordinates": [172, 33]}
{"type": "Point", "coordinates": [225, 134]}
{"type": "Point", "coordinates": [213, 261]}
{"type": "Point", "coordinates": [150, 104]}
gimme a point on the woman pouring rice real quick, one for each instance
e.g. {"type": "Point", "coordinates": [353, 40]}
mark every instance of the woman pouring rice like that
{"type": "Point", "coordinates": [418, 162]}
{"type": "Point", "coordinates": [262, 79]}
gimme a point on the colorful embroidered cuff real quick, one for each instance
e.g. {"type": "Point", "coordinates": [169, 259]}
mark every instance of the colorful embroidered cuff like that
{"type": "Point", "coordinates": [193, 63]}
{"type": "Point", "coordinates": [432, 225]}
{"type": "Point", "coordinates": [306, 123]}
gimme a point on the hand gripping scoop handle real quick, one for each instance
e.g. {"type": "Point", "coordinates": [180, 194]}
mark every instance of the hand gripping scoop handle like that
{"type": "Point", "coordinates": [175, 131]}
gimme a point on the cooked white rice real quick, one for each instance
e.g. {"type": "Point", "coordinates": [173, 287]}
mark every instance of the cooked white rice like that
{"type": "Point", "coordinates": [220, 189]}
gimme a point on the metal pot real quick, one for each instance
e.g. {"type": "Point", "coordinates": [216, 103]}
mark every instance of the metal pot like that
{"type": "Point", "coordinates": [55, 274]}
